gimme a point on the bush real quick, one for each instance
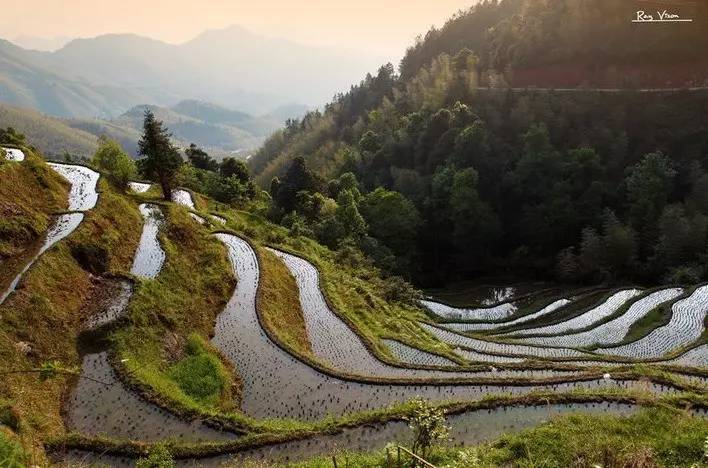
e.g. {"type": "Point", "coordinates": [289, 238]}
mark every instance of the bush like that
{"type": "Point", "coordinates": [114, 162]}
{"type": "Point", "coordinates": [200, 374]}
{"type": "Point", "coordinates": [158, 457]}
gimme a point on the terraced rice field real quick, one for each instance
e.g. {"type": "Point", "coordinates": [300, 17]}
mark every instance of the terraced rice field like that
{"type": "Point", "coordinates": [592, 316]}
{"type": "Point", "coordinates": [183, 197]}
{"type": "Point", "coordinates": [101, 404]}
{"type": "Point", "coordinates": [150, 256]}
{"type": "Point", "coordinates": [139, 187]}
{"type": "Point", "coordinates": [466, 327]}
{"type": "Point", "coordinates": [686, 326]}
{"type": "Point", "coordinates": [82, 197]}
{"type": "Point", "coordinates": [14, 154]}
{"type": "Point", "coordinates": [348, 377]}
{"type": "Point", "coordinates": [613, 331]}
{"type": "Point", "coordinates": [466, 429]}
{"type": "Point", "coordinates": [497, 312]}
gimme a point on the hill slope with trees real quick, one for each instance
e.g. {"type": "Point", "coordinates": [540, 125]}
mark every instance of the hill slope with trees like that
{"type": "Point", "coordinates": [581, 185]}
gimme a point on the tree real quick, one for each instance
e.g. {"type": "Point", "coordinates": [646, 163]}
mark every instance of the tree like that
{"type": "Point", "coordinates": [11, 136]}
{"type": "Point", "coordinates": [393, 220]}
{"type": "Point", "coordinates": [476, 226]}
{"type": "Point", "coordinates": [162, 159]}
{"type": "Point", "coordinates": [649, 186]}
{"type": "Point", "coordinates": [298, 178]}
{"type": "Point", "coordinates": [348, 215]}
{"type": "Point", "coordinates": [111, 160]}
{"type": "Point", "coordinates": [233, 167]}
{"type": "Point", "coordinates": [200, 159]}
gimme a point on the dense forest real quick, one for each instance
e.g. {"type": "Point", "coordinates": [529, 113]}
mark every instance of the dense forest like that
{"type": "Point", "coordinates": [437, 178]}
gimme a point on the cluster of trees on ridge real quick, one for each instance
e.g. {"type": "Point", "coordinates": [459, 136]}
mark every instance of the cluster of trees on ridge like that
{"type": "Point", "coordinates": [585, 186]}
{"type": "Point", "coordinates": [228, 181]}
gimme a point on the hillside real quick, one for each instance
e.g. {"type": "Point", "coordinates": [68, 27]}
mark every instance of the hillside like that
{"type": "Point", "coordinates": [51, 135]}
{"type": "Point", "coordinates": [29, 81]}
{"type": "Point", "coordinates": [496, 175]}
{"type": "Point", "coordinates": [572, 43]}
{"type": "Point", "coordinates": [219, 130]}
{"type": "Point", "coordinates": [174, 330]}
{"type": "Point", "coordinates": [76, 80]}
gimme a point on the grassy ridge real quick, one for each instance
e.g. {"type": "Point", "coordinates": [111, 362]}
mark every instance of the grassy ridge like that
{"type": "Point", "coordinates": [279, 303]}
{"type": "Point", "coordinates": [652, 437]}
{"type": "Point", "coordinates": [29, 193]}
{"type": "Point", "coordinates": [170, 318]}
{"type": "Point", "coordinates": [51, 298]}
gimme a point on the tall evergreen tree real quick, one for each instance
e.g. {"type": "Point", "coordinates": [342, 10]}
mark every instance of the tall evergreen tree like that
{"type": "Point", "coordinates": [162, 159]}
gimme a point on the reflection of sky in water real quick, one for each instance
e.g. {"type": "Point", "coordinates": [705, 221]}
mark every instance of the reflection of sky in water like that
{"type": "Point", "coordinates": [496, 295]}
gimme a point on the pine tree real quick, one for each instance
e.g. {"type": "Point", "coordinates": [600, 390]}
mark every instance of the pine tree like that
{"type": "Point", "coordinates": [162, 158]}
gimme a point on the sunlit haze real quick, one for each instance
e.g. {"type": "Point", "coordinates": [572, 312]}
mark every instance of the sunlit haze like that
{"type": "Point", "coordinates": [384, 28]}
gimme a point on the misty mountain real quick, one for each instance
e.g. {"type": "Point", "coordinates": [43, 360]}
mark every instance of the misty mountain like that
{"type": "Point", "coordinates": [219, 130]}
{"type": "Point", "coordinates": [107, 75]}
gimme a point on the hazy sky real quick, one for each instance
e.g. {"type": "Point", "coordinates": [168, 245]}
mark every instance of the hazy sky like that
{"type": "Point", "coordinates": [382, 27]}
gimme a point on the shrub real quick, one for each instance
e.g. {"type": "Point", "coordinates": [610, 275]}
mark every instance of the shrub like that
{"type": "Point", "coordinates": [114, 162]}
{"type": "Point", "coordinates": [158, 457]}
{"type": "Point", "coordinates": [200, 374]}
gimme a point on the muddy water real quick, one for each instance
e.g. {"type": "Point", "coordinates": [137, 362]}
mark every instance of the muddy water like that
{"type": "Point", "coordinates": [83, 195]}
{"type": "Point", "coordinates": [149, 256]}
{"type": "Point", "coordinates": [63, 226]}
{"type": "Point", "coordinates": [197, 218]}
{"type": "Point", "coordinates": [183, 197]}
{"type": "Point", "coordinates": [334, 342]}
{"type": "Point", "coordinates": [14, 154]}
{"type": "Point", "coordinates": [101, 404]}
{"type": "Point", "coordinates": [465, 429]}
{"type": "Point", "coordinates": [409, 355]}
{"type": "Point", "coordinates": [113, 308]}
{"type": "Point", "coordinates": [278, 385]}
{"type": "Point", "coordinates": [697, 357]}
{"type": "Point", "coordinates": [467, 327]}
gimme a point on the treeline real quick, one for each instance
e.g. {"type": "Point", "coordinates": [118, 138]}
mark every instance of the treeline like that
{"type": "Point", "coordinates": [517, 33]}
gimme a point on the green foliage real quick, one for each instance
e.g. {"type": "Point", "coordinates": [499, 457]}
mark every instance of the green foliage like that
{"type": "Point", "coordinates": [648, 438]}
{"type": "Point", "coordinates": [200, 159]}
{"type": "Point", "coordinates": [229, 190]}
{"type": "Point", "coordinates": [11, 136]}
{"type": "Point", "coordinates": [11, 453]}
{"type": "Point", "coordinates": [230, 167]}
{"type": "Point", "coordinates": [199, 373]}
{"type": "Point", "coordinates": [428, 425]}
{"type": "Point", "coordinates": [113, 162]}
{"type": "Point", "coordinates": [158, 457]}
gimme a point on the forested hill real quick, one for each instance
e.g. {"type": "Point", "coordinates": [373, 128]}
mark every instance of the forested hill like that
{"type": "Point", "coordinates": [584, 185]}
{"type": "Point", "coordinates": [591, 43]}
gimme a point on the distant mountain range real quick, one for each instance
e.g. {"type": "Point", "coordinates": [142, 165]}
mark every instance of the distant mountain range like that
{"type": "Point", "coordinates": [219, 130]}
{"type": "Point", "coordinates": [103, 77]}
